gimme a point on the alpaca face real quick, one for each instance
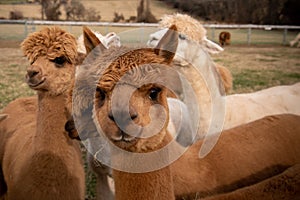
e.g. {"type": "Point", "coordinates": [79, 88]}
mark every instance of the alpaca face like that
{"type": "Point", "coordinates": [133, 117]}
{"type": "Point", "coordinates": [51, 76]}
{"type": "Point", "coordinates": [130, 104]}
{"type": "Point", "coordinates": [52, 54]}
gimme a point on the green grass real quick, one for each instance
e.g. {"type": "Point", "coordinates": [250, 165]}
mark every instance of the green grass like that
{"type": "Point", "coordinates": [253, 68]}
{"type": "Point", "coordinates": [254, 79]}
{"type": "Point", "coordinates": [12, 1]}
{"type": "Point", "coordinates": [12, 73]}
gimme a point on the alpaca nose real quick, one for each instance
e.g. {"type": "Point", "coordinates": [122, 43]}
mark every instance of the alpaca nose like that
{"type": "Point", "coordinates": [123, 116]}
{"type": "Point", "coordinates": [32, 73]}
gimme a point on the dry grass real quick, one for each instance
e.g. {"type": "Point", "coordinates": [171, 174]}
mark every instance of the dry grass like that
{"type": "Point", "coordinates": [104, 7]}
{"type": "Point", "coordinates": [12, 73]}
{"type": "Point", "coordinates": [256, 68]}
{"type": "Point", "coordinates": [253, 67]}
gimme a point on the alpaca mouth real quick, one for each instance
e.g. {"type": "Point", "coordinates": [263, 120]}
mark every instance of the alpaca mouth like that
{"type": "Point", "coordinates": [124, 140]}
{"type": "Point", "coordinates": [32, 84]}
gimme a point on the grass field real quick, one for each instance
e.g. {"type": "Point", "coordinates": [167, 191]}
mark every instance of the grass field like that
{"type": "Point", "coordinates": [263, 64]}
{"type": "Point", "coordinates": [253, 68]}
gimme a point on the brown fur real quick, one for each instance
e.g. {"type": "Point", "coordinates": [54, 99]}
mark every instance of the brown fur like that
{"type": "Point", "coordinates": [240, 153]}
{"type": "Point", "coordinates": [226, 77]}
{"type": "Point", "coordinates": [46, 164]}
{"type": "Point", "coordinates": [27, 106]}
{"type": "Point", "coordinates": [152, 185]}
{"type": "Point", "coordinates": [285, 186]}
{"type": "Point", "coordinates": [224, 38]}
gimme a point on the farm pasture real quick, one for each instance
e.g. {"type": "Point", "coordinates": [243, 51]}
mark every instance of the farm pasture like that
{"type": "Point", "coordinates": [254, 67]}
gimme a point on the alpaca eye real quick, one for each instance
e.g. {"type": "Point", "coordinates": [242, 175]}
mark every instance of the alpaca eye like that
{"type": "Point", "coordinates": [59, 61]}
{"type": "Point", "coordinates": [153, 94]}
{"type": "Point", "coordinates": [100, 96]}
{"type": "Point", "coordinates": [182, 37]}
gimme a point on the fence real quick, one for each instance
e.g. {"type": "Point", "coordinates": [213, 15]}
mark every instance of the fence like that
{"type": "Point", "coordinates": [145, 29]}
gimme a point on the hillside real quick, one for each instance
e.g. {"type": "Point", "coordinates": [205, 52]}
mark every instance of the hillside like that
{"type": "Point", "coordinates": [106, 8]}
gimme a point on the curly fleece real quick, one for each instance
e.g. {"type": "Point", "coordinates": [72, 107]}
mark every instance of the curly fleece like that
{"type": "Point", "coordinates": [51, 42]}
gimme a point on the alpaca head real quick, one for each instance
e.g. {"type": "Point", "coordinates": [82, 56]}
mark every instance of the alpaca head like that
{"type": "Point", "coordinates": [52, 54]}
{"type": "Point", "coordinates": [190, 30]}
{"type": "Point", "coordinates": [130, 93]}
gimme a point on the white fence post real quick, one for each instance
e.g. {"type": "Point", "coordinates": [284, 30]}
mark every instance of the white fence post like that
{"type": "Point", "coordinates": [249, 36]}
{"type": "Point", "coordinates": [284, 36]}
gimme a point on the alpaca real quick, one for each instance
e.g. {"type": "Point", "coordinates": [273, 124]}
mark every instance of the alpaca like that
{"type": "Point", "coordinates": [44, 152]}
{"type": "Point", "coordinates": [191, 30]}
{"type": "Point", "coordinates": [12, 122]}
{"type": "Point", "coordinates": [283, 186]}
{"type": "Point", "coordinates": [265, 148]}
{"type": "Point", "coordinates": [247, 107]}
{"type": "Point", "coordinates": [296, 41]}
{"type": "Point", "coordinates": [252, 105]}
{"type": "Point", "coordinates": [149, 185]}
{"type": "Point", "coordinates": [224, 38]}
{"type": "Point", "coordinates": [243, 156]}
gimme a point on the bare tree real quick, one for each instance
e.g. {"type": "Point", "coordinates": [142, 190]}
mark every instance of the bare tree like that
{"type": "Point", "coordinates": [50, 9]}
{"type": "Point", "coordinates": [144, 13]}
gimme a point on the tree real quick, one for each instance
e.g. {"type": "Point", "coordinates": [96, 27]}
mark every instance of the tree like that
{"type": "Point", "coordinates": [144, 13]}
{"type": "Point", "coordinates": [50, 8]}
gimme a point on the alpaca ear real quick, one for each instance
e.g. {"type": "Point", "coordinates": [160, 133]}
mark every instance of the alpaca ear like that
{"type": "Point", "coordinates": [91, 41]}
{"type": "Point", "coordinates": [71, 129]}
{"type": "Point", "coordinates": [3, 116]}
{"type": "Point", "coordinates": [167, 46]}
{"type": "Point", "coordinates": [211, 47]}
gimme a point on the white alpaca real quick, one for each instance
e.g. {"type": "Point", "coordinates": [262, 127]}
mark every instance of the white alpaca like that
{"type": "Point", "coordinates": [296, 41]}
{"type": "Point", "coordinates": [240, 108]}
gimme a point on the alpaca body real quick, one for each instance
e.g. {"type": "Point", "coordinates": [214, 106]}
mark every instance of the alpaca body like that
{"type": "Point", "coordinates": [224, 38]}
{"type": "Point", "coordinates": [14, 121]}
{"type": "Point", "coordinates": [152, 185]}
{"type": "Point", "coordinates": [46, 166]}
{"type": "Point", "coordinates": [247, 107]}
{"type": "Point", "coordinates": [40, 161]}
{"type": "Point", "coordinates": [242, 156]}
{"type": "Point", "coordinates": [284, 186]}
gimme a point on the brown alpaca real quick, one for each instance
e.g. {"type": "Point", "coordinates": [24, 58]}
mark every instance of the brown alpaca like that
{"type": "Point", "coordinates": [12, 122]}
{"type": "Point", "coordinates": [285, 186]}
{"type": "Point", "coordinates": [46, 164]}
{"type": "Point", "coordinates": [224, 38]}
{"type": "Point", "coordinates": [243, 156]}
{"type": "Point", "coordinates": [150, 185]}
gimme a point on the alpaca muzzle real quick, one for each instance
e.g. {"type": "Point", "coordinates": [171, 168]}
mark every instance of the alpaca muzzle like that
{"type": "Point", "coordinates": [34, 78]}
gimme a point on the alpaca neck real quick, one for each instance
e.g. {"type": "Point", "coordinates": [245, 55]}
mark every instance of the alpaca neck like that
{"type": "Point", "coordinates": [151, 185]}
{"type": "Point", "coordinates": [50, 117]}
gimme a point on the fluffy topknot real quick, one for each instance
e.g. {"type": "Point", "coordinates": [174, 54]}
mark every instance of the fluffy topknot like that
{"type": "Point", "coordinates": [185, 24]}
{"type": "Point", "coordinates": [51, 42]}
